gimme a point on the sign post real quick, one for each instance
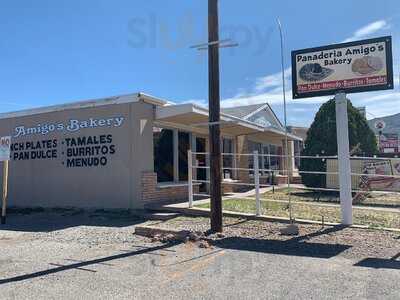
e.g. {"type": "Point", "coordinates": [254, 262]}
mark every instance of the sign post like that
{"type": "Point", "coordinates": [5, 143]}
{"type": "Point", "coordinates": [340, 69]}
{"type": "Point", "coordinates": [380, 125]}
{"type": "Point", "coordinates": [342, 130]}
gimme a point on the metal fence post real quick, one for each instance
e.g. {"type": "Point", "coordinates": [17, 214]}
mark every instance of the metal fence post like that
{"type": "Point", "coordinates": [257, 183]}
{"type": "Point", "coordinates": [190, 178]}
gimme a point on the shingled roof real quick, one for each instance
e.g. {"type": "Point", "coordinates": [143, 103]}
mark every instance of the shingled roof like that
{"type": "Point", "coordinates": [242, 111]}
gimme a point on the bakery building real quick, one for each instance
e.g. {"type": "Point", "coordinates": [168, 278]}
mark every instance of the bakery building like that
{"type": "Point", "coordinates": [127, 151]}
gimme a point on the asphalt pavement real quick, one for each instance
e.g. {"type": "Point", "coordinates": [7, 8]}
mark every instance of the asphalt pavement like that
{"type": "Point", "coordinates": [99, 259]}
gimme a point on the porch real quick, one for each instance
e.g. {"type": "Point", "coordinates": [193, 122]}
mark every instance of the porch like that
{"type": "Point", "coordinates": [180, 128]}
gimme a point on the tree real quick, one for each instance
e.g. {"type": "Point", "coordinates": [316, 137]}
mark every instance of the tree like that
{"type": "Point", "coordinates": [321, 140]}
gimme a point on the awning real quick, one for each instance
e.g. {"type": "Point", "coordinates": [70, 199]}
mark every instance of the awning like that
{"type": "Point", "coordinates": [197, 117]}
{"type": "Point", "coordinates": [194, 116]}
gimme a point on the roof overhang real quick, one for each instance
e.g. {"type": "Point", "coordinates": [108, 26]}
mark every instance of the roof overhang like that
{"type": "Point", "coordinates": [153, 100]}
{"type": "Point", "coordinates": [191, 115]}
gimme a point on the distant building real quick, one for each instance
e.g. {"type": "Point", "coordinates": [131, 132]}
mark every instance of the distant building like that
{"type": "Point", "coordinates": [298, 145]}
{"type": "Point", "coordinates": [299, 131]}
{"type": "Point", "coordinates": [388, 142]}
{"type": "Point", "coordinates": [362, 110]}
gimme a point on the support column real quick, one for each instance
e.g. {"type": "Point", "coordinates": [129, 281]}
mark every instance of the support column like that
{"type": "Point", "coordinates": [342, 130]}
{"type": "Point", "coordinates": [235, 165]}
{"type": "Point", "coordinates": [257, 182]}
{"type": "Point", "coordinates": [194, 158]}
{"type": "Point", "coordinates": [291, 165]}
{"type": "Point", "coordinates": [176, 155]}
{"type": "Point", "coordinates": [243, 160]}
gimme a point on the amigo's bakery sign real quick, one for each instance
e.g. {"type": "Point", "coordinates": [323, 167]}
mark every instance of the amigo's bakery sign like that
{"type": "Point", "coordinates": [349, 67]}
{"type": "Point", "coordinates": [72, 125]}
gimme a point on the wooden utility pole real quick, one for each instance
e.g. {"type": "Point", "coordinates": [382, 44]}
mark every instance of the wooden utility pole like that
{"type": "Point", "coordinates": [214, 118]}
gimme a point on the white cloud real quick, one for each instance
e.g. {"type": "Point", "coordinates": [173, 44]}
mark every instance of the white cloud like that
{"type": "Point", "coordinates": [274, 80]}
{"type": "Point", "coordinates": [383, 108]}
{"type": "Point", "coordinates": [270, 97]}
{"type": "Point", "coordinates": [380, 96]}
{"type": "Point", "coordinates": [378, 103]}
{"type": "Point", "coordinates": [368, 30]}
{"type": "Point", "coordinates": [200, 102]}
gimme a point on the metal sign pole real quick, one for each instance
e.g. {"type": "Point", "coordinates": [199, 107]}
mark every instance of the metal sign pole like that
{"type": "Point", "coordinates": [286, 154]}
{"type": "Point", "coordinates": [5, 192]}
{"type": "Point", "coordinates": [342, 130]}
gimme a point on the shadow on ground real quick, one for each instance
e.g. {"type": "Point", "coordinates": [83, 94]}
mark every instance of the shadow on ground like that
{"type": "Point", "coordinates": [40, 220]}
{"type": "Point", "coordinates": [379, 263]}
{"type": "Point", "coordinates": [81, 264]}
{"type": "Point", "coordinates": [297, 246]}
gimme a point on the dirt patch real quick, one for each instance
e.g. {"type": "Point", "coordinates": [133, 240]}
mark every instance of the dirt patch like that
{"type": "Point", "coordinates": [359, 242]}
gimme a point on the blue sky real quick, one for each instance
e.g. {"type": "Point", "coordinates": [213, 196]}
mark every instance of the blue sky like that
{"type": "Point", "coordinates": [60, 51]}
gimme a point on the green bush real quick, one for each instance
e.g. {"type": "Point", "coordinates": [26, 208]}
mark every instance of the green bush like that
{"type": "Point", "coordinates": [321, 140]}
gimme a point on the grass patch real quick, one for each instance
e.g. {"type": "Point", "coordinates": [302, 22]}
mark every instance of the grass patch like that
{"type": "Point", "coordinates": [312, 212]}
{"type": "Point", "coordinates": [373, 199]}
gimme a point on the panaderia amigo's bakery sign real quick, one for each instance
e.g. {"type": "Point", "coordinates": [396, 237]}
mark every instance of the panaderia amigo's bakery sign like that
{"type": "Point", "coordinates": [350, 67]}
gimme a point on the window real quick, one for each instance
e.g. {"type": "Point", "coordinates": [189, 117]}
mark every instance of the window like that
{"type": "Point", "coordinates": [298, 147]}
{"type": "Point", "coordinates": [163, 154]}
{"type": "Point", "coordinates": [275, 160]}
{"type": "Point", "coordinates": [266, 159]}
{"type": "Point", "coordinates": [165, 149]}
{"type": "Point", "coordinates": [253, 146]}
{"type": "Point", "coordinates": [280, 158]}
{"type": "Point", "coordinates": [227, 160]}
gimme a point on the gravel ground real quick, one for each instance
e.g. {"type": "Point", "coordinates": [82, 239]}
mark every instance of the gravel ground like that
{"type": "Point", "coordinates": [359, 242]}
{"type": "Point", "coordinates": [72, 255]}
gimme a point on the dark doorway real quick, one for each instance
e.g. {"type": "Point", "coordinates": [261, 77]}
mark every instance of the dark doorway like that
{"type": "Point", "coordinates": [183, 148]}
{"type": "Point", "coordinates": [163, 154]}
